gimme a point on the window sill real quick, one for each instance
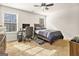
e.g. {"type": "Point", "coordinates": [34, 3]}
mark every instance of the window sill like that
{"type": "Point", "coordinates": [12, 32]}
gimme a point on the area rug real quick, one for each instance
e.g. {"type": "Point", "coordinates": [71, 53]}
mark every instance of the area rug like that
{"type": "Point", "coordinates": [58, 48]}
{"type": "Point", "coordinates": [46, 52]}
{"type": "Point", "coordinates": [34, 50]}
{"type": "Point", "coordinates": [22, 47]}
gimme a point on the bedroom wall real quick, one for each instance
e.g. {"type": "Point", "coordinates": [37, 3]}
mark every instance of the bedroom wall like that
{"type": "Point", "coordinates": [65, 20]}
{"type": "Point", "coordinates": [0, 16]}
{"type": "Point", "coordinates": [28, 18]}
{"type": "Point", "coordinates": [22, 17]}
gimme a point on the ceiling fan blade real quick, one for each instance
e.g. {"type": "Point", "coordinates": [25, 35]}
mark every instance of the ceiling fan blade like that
{"type": "Point", "coordinates": [43, 4]}
{"type": "Point", "coordinates": [36, 5]}
{"type": "Point", "coordinates": [50, 4]}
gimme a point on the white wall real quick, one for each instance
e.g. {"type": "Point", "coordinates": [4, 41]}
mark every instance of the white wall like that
{"type": "Point", "coordinates": [28, 18]}
{"type": "Point", "coordinates": [65, 20]}
{"type": "Point", "coordinates": [22, 17]}
{"type": "Point", "coordinates": [0, 16]}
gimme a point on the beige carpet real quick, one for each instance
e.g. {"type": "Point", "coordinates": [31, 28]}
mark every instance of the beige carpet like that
{"type": "Point", "coordinates": [35, 50]}
{"type": "Point", "coordinates": [46, 52]}
{"type": "Point", "coordinates": [58, 48]}
{"type": "Point", "coordinates": [22, 47]}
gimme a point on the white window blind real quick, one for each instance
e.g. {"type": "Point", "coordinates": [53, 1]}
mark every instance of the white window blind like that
{"type": "Point", "coordinates": [10, 22]}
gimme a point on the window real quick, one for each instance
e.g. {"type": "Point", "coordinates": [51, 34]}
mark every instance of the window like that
{"type": "Point", "coordinates": [10, 22]}
{"type": "Point", "coordinates": [41, 22]}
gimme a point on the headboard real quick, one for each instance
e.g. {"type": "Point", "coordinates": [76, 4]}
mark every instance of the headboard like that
{"type": "Point", "coordinates": [38, 26]}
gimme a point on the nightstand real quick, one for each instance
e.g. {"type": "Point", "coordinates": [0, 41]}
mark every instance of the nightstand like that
{"type": "Point", "coordinates": [74, 48]}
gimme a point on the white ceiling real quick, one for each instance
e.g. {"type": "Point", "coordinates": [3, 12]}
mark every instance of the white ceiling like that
{"type": "Point", "coordinates": [30, 7]}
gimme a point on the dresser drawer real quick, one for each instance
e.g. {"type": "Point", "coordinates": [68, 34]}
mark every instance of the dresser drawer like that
{"type": "Point", "coordinates": [2, 44]}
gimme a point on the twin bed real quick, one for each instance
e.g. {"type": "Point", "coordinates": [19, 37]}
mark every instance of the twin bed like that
{"type": "Point", "coordinates": [47, 35]}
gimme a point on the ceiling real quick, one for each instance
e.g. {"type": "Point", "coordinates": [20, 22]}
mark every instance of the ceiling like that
{"type": "Point", "coordinates": [30, 7]}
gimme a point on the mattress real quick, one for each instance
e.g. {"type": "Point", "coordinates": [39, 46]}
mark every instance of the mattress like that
{"type": "Point", "coordinates": [50, 34]}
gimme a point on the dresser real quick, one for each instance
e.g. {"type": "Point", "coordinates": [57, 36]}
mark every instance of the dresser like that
{"type": "Point", "coordinates": [74, 48]}
{"type": "Point", "coordinates": [2, 43]}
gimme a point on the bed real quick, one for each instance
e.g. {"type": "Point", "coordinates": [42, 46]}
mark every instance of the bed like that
{"type": "Point", "coordinates": [48, 35]}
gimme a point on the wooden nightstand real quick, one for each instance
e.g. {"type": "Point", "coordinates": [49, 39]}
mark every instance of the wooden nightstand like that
{"type": "Point", "coordinates": [74, 48]}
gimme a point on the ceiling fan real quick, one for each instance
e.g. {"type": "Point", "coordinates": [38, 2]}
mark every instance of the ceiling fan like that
{"type": "Point", "coordinates": [45, 5]}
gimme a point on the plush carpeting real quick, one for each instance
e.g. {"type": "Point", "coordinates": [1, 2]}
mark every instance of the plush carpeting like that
{"type": "Point", "coordinates": [58, 48]}
{"type": "Point", "coordinates": [22, 47]}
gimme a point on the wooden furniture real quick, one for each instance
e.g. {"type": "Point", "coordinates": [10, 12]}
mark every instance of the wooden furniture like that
{"type": "Point", "coordinates": [74, 48]}
{"type": "Point", "coordinates": [2, 43]}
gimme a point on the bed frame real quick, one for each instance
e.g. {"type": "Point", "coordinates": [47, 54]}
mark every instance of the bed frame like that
{"type": "Point", "coordinates": [42, 37]}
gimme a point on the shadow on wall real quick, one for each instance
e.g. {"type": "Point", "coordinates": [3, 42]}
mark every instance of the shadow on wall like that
{"type": "Point", "coordinates": [66, 21]}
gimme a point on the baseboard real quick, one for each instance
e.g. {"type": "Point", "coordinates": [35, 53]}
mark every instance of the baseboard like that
{"type": "Point", "coordinates": [12, 41]}
{"type": "Point", "coordinates": [4, 54]}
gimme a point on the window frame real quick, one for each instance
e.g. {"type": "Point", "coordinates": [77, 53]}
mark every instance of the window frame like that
{"type": "Point", "coordinates": [11, 23]}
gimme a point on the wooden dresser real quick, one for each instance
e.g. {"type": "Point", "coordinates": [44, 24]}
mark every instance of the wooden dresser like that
{"type": "Point", "coordinates": [2, 43]}
{"type": "Point", "coordinates": [74, 48]}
